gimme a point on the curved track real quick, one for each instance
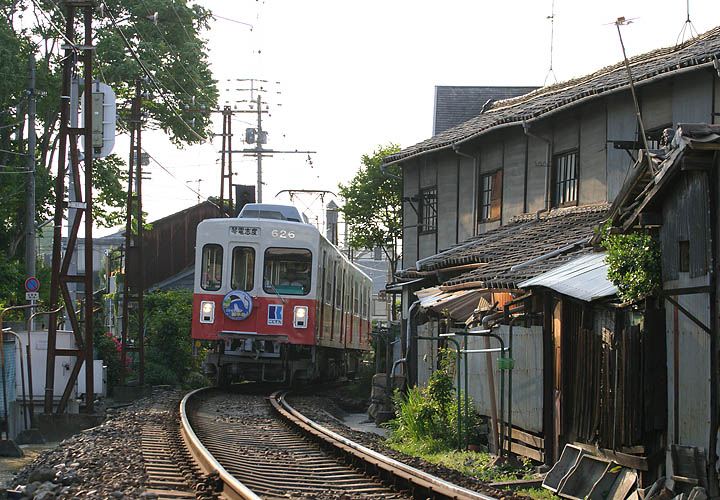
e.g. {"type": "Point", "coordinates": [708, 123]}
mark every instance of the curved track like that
{"type": "Point", "coordinates": [258, 453]}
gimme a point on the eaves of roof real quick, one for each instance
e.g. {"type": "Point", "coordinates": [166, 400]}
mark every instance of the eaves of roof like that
{"type": "Point", "coordinates": [662, 63]}
{"type": "Point", "coordinates": [520, 250]}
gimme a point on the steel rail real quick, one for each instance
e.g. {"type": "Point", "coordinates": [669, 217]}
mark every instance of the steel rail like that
{"type": "Point", "coordinates": [232, 488]}
{"type": "Point", "coordinates": [398, 470]}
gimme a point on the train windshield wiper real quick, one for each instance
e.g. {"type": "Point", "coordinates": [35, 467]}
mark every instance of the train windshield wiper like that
{"type": "Point", "coordinates": [276, 292]}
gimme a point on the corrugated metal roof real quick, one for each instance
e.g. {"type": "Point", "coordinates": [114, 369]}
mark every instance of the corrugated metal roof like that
{"type": "Point", "coordinates": [584, 278]}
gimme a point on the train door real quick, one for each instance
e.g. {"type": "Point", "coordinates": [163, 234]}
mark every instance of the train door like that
{"type": "Point", "coordinates": [322, 279]}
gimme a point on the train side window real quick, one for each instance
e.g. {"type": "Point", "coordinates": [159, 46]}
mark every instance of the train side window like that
{"type": "Point", "coordinates": [338, 288]}
{"type": "Point", "coordinates": [243, 269]}
{"type": "Point", "coordinates": [288, 271]}
{"type": "Point", "coordinates": [211, 270]}
{"type": "Point", "coordinates": [357, 298]}
{"type": "Point", "coordinates": [329, 281]}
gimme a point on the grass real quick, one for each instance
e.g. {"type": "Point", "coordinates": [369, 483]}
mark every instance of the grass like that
{"type": "Point", "coordinates": [472, 463]}
{"type": "Point", "coordinates": [475, 464]}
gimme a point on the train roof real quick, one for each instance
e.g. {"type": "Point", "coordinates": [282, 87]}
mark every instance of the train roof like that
{"type": "Point", "coordinates": [270, 211]}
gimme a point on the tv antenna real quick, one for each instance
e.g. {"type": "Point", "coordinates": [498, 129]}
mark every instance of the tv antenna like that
{"type": "Point", "coordinates": [552, 37]}
{"type": "Point", "coordinates": [688, 28]}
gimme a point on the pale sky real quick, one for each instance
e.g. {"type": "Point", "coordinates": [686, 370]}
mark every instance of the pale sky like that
{"type": "Point", "coordinates": [354, 75]}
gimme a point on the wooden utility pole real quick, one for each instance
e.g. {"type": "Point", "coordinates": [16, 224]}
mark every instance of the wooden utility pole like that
{"type": "Point", "coordinates": [133, 286]}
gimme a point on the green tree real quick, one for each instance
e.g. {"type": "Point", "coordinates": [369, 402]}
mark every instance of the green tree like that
{"type": "Point", "coordinates": [372, 202]}
{"type": "Point", "coordinates": [168, 355]}
{"type": "Point", "coordinates": [134, 39]}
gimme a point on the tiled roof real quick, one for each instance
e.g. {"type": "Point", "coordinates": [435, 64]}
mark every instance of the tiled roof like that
{"type": "Point", "coordinates": [522, 249]}
{"type": "Point", "coordinates": [660, 63]}
{"type": "Point", "coordinates": [457, 104]}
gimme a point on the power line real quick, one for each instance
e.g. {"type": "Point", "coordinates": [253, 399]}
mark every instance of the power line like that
{"type": "Point", "coordinates": [150, 76]}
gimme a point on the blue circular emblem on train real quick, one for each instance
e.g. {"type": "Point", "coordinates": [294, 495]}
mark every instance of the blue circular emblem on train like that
{"type": "Point", "coordinates": [237, 305]}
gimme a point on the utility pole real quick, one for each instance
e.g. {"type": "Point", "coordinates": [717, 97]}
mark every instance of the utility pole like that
{"type": "Point", "coordinates": [133, 286]}
{"type": "Point", "coordinates": [30, 254]}
{"type": "Point", "coordinates": [259, 148]}
{"type": "Point", "coordinates": [68, 142]}
{"type": "Point", "coordinates": [226, 174]}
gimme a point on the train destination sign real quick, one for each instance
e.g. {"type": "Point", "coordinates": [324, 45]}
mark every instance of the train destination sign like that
{"type": "Point", "coordinates": [244, 230]}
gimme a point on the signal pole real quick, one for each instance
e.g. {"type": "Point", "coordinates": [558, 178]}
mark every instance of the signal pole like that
{"type": "Point", "coordinates": [258, 145]}
{"type": "Point", "coordinates": [30, 207]}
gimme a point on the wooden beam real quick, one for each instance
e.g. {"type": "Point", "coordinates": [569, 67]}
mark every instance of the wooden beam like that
{"type": "Point", "coordinates": [636, 462]}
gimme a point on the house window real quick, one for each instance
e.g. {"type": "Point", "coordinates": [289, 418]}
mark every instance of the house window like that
{"type": "Point", "coordinates": [490, 199]}
{"type": "Point", "coordinates": [428, 210]}
{"type": "Point", "coordinates": [565, 175]}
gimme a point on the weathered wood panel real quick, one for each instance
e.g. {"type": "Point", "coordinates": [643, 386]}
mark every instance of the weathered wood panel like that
{"type": "Point", "coordinates": [466, 191]}
{"type": "Point", "coordinates": [692, 98]}
{"type": "Point", "coordinates": [688, 357]}
{"type": "Point", "coordinates": [685, 218]}
{"type": "Point", "coordinates": [655, 106]}
{"type": "Point", "coordinates": [621, 126]}
{"type": "Point", "coordinates": [513, 198]}
{"type": "Point", "coordinates": [593, 145]}
{"type": "Point", "coordinates": [447, 179]}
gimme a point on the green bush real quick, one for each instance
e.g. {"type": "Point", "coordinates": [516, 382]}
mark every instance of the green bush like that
{"type": "Point", "coordinates": [633, 263]}
{"type": "Point", "coordinates": [168, 355]}
{"type": "Point", "coordinates": [428, 417]}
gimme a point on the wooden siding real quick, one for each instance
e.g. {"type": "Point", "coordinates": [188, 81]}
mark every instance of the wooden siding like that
{"type": "Point", "coordinates": [685, 218]}
{"type": "Point", "coordinates": [447, 182]}
{"type": "Point", "coordinates": [513, 194]}
{"type": "Point", "coordinates": [655, 106]}
{"type": "Point", "coordinates": [536, 171]}
{"type": "Point", "coordinates": [621, 126]}
{"type": "Point", "coordinates": [688, 358]}
{"type": "Point", "coordinates": [593, 156]}
{"type": "Point", "coordinates": [466, 202]}
{"type": "Point", "coordinates": [692, 98]}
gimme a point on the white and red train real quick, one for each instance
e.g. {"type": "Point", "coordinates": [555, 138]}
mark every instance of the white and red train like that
{"type": "Point", "coordinates": [278, 300]}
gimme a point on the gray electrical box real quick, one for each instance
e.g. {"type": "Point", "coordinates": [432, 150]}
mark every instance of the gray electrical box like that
{"type": "Point", "coordinates": [250, 135]}
{"type": "Point", "coordinates": [103, 119]}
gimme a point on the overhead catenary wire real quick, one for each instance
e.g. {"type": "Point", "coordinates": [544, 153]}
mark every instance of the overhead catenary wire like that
{"type": "Point", "coordinates": [151, 78]}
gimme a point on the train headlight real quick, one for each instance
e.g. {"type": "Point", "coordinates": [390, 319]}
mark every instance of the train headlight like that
{"type": "Point", "coordinates": [207, 311]}
{"type": "Point", "coordinates": [300, 319]}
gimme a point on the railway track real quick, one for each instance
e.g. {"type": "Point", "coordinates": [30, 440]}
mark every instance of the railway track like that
{"type": "Point", "coordinates": [248, 449]}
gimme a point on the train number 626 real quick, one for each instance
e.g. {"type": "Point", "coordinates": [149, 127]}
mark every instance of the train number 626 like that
{"type": "Point", "coordinates": [281, 233]}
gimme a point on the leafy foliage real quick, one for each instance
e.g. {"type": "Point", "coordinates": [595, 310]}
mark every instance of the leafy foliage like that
{"type": "Point", "coordinates": [171, 48]}
{"type": "Point", "coordinates": [372, 203]}
{"type": "Point", "coordinates": [427, 417]}
{"type": "Point", "coordinates": [633, 263]}
{"type": "Point", "coordinates": [168, 356]}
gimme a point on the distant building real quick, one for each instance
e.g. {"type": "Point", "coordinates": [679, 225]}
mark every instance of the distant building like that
{"type": "Point", "coordinates": [457, 104]}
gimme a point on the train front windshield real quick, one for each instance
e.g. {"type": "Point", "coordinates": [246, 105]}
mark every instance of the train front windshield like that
{"type": "Point", "coordinates": [287, 271]}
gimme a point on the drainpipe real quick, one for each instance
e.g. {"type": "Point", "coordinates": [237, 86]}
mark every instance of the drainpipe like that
{"type": "Point", "coordinates": [526, 129]}
{"type": "Point", "coordinates": [491, 382]}
{"type": "Point", "coordinates": [407, 342]}
{"type": "Point", "coordinates": [456, 149]}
